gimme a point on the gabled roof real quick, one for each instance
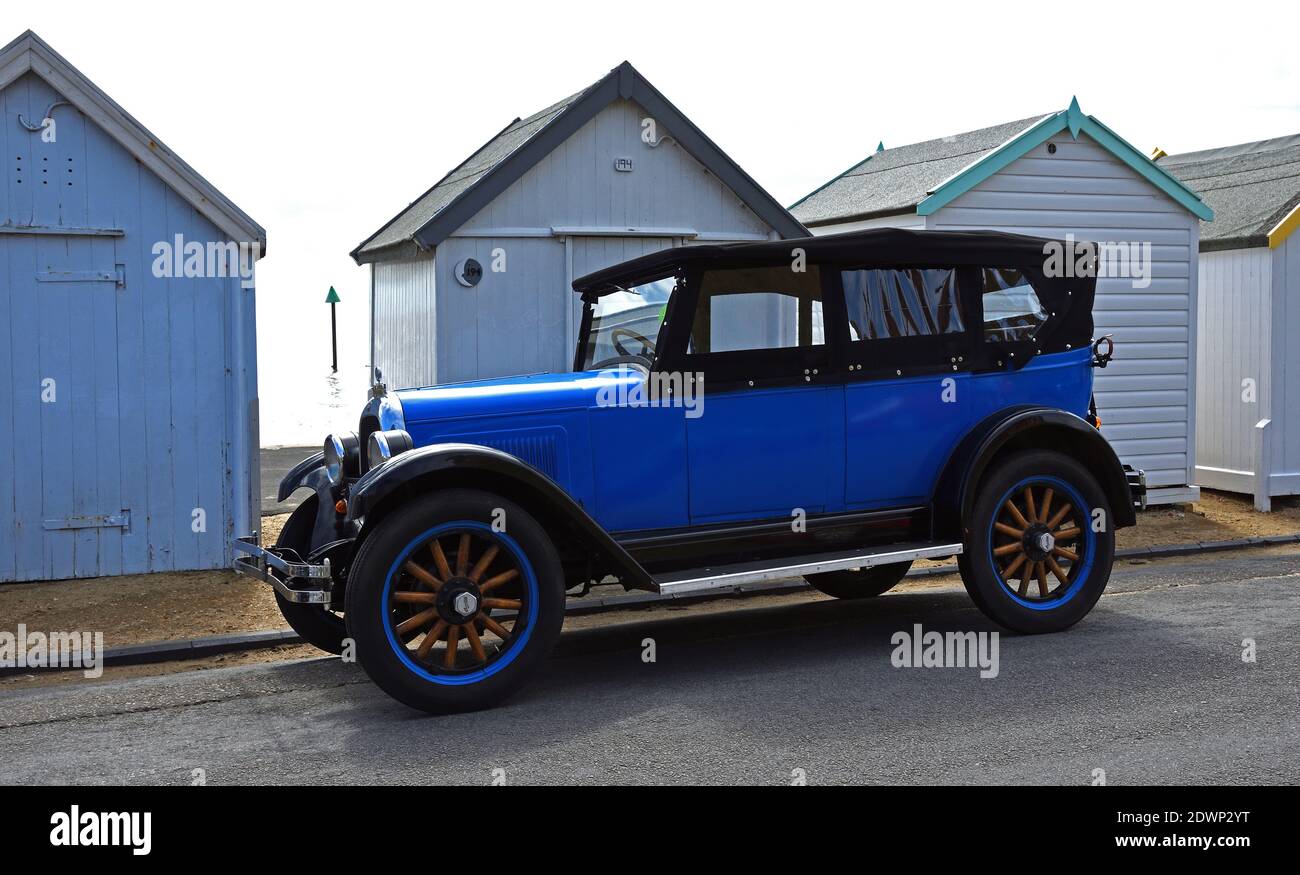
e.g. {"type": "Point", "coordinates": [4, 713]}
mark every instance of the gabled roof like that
{"type": "Point", "coordinates": [1253, 187]}
{"type": "Point", "coordinates": [924, 177]}
{"type": "Point", "coordinates": [30, 53]}
{"type": "Point", "coordinates": [463, 192]}
{"type": "Point", "coordinates": [893, 181]}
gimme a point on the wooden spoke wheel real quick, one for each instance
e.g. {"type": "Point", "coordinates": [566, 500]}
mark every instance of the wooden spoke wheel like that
{"type": "Point", "coordinates": [449, 612]}
{"type": "Point", "coordinates": [458, 601]}
{"type": "Point", "coordinates": [1036, 534]}
{"type": "Point", "coordinates": [1034, 561]}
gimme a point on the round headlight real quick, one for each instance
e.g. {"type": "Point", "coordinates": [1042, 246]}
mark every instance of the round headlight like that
{"type": "Point", "coordinates": [342, 457]}
{"type": "Point", "coordinates": [377, 450]}
{"type": "Point", "coordinates": [383, 445]}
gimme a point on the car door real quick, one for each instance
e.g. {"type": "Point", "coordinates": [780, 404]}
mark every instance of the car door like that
{"type": "Point", "coordinates": [766, 438]}
{"type": "Point", "coordinates": [907, 395]}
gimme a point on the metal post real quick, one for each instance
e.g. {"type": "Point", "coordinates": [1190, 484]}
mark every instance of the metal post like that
{"type": "Point", "coordinates": [1263, 466]}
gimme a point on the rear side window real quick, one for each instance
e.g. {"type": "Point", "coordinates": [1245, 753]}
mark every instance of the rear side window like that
{"type": "Point", "coordinates": [1012, 310]}
{"type": "Point", "coordinates": [885, 304]}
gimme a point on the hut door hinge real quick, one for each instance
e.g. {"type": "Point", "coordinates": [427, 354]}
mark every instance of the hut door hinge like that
{"type": "Point", "coordinates": [79, 276]}
{"type": "Point", "coordinates": [96, 521]}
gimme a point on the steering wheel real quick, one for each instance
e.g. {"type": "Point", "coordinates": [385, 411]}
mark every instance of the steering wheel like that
{"type": "Point", "coordinates": [647, 347]}
{"type": "Point", "coordinates": [640, 363]}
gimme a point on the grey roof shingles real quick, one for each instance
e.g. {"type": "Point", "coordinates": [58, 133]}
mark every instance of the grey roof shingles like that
{"type": "Point", "coordinates": [1251, 187]}
{"type": "Point", "coordinates": [404, 226]}
{"type": "Point", "coordinates": [896, 180]}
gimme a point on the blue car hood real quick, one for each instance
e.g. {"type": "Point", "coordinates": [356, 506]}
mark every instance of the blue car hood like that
{"type": "Point", "coordinates": [535, 393]}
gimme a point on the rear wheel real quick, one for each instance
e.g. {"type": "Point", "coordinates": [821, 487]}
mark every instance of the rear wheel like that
{"type": "Point", "coordinates": [1041, 545]}
{"type": "Point", "coordinates": [318, 626]}
{"type": "Point", "coordinates": [860, 583]}
{"type": "Point", "coordinates": [449, 611]}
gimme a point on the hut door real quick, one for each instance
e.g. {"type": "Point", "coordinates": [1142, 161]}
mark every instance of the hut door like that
{"type": "Point", "coordinates": [73, 298]}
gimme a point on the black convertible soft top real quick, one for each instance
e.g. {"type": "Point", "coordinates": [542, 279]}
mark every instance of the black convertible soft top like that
{"type": "Point", "coordinates": [884, 247]}
{"type": "Point", "coordinates": [1053, 267]}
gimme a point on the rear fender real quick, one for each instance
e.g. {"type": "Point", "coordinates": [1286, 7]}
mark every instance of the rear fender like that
{"type": "Point", "coordinates": [1023, 428]}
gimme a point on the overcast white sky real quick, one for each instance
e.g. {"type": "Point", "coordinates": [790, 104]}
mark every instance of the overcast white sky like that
{"type": "Point", "coordinates": [322, 120]}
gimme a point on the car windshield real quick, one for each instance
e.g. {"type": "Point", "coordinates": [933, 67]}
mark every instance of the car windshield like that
{"type": "Point", "coordinates": [625, 324]}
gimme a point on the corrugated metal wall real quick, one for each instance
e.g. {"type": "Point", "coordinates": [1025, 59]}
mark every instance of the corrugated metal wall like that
{"type": "Point", "coordinates": [405, 321]}
{"type": "Point", "coordinates": [1234, 346]}
{"type": "Point", "coordinates": [1145, 397]}
{"type": "Point", "coordinates": [102, 475]}
{"type": "Point", "coordinates": [571, 213]}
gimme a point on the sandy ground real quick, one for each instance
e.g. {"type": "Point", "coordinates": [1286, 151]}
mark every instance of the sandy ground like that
{"type": "Point", "coordinates": [157, 607]}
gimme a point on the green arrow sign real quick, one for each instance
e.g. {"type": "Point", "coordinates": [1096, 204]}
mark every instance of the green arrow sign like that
{"type": "Point", "coordinates": [332, 297]}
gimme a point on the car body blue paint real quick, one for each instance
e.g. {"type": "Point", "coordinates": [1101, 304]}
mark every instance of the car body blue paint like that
{"type": "Point", "coordinates": [913, 422]}
{"type": "Point", "coordinates": [762, 453]}
{"type": "Point", "coordinates": [1062, 380]}
{"type": "Point", "coordinates": [516, 644]}
{"type": "Point", "coordinates": [755, 453]}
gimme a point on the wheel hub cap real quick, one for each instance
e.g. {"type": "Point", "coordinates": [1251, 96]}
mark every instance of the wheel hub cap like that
{"type": "Point", "coordinates": [1038, 542]}
{"type": "Point", "coordinates": [459, 601]}
{"type": "Point", "coordinates": [466, 604]}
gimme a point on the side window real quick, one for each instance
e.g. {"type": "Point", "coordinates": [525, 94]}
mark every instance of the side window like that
{"type": "Point", "coordinates": [1012, 310]}
{"type": "Point", "coordinates": [889, 303]}
{"type": "Point", "coordinates": [758, 308]}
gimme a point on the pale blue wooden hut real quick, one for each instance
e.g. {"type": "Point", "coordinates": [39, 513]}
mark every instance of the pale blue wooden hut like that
{"type": "Point", "coordinates": [609, 173]}
{"type": "Point", "coordinates": [128, 387]}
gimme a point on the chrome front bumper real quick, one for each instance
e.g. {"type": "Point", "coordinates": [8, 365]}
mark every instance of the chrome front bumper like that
{"type": "Point", "coordinates": [296, 581]}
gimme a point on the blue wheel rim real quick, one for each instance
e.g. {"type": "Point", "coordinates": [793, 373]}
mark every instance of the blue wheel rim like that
{"type": "Point", "coordinates": [1084, 546]}
{"type": "Point", "coordinates": [524, 624]}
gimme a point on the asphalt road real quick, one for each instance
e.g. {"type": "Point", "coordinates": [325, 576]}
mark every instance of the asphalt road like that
{"type": "Point", "coordinates": [276, 462]}
{"type": "Point", "coordinates": [1151, 688]}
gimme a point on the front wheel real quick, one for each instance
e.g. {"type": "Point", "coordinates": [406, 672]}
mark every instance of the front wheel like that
{"type": "Point", "coordinates": [454, 601]}
{"type": "Point", "coordinates": [1040, 543]}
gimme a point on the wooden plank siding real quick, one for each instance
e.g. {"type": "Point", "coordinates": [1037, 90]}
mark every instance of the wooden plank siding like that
{"type": "Point", "coordinates": [1145, 397]}
{"type": "Point", "coordinates": [1234, 341]}
{"type": "Point", "coordinates": [1285, 409]}
{"type": "Point", "coordinates": [145, 420]}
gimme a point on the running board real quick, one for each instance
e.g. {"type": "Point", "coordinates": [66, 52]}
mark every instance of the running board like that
{"type": "Point", "coordinates": [728, 576]}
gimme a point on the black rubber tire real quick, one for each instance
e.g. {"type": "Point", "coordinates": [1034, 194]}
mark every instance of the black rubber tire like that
{"type": "Point", "coordinates": [861, 584]}
{"type": "Point", "coordinates": [319, 627]}
{"type": "Point", "coordinates": [981, 579]}
{"type": "Point", "coordinates": [366, 612]}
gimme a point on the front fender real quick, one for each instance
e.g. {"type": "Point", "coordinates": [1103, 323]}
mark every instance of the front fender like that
{"type": "Point", "coordinates": [301, 474]}
{"type": "Point", "coordinates": [1026, 427]}
{"type": "Point", "coordinates": [469, 465]}
{"type": "Point", "coordinates": [310, 474]}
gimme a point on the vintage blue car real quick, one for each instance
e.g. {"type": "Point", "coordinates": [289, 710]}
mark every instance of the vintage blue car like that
{"type": "Point", "coordinates": [872, 399]}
